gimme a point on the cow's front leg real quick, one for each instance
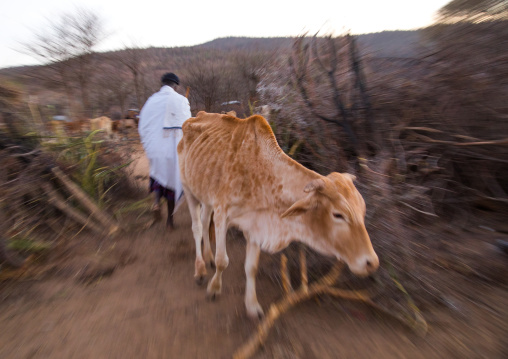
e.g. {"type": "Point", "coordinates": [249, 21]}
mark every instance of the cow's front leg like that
{"type": "Point", "coordinates": [221, 256]}
{"type": "Point", "coordinates": [254, 310]}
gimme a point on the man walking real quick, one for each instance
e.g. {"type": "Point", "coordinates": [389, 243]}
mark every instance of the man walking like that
{"type": "Point", "coordinates": [160, 130]}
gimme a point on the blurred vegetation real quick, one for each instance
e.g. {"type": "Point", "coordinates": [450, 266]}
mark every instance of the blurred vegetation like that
{"type": "Point", "coordinates": [474, 11]}
{"type": "Point", "coordinates": [418, 116]}
{"type": "Point", "coordinates": [86, 156]}
{"type": "Point", "coordinates": [425, 135]}
{"type": "Point", "coordinates": [38, 207]}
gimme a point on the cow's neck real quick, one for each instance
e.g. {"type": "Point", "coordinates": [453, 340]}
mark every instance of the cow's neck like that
{"type": "Point", "coordinates": [274, 233]}
{"type": "Point", "coordinates": [293, 177]}
{"type": "Point", "coordinates": [262, 220]}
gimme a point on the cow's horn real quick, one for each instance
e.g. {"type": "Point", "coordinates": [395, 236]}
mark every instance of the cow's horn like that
{"type": "Point", "coordinates": [314, 185]}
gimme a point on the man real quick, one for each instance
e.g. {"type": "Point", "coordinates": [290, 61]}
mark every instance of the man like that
{"type": "Point", "coordinates": [160, 130]}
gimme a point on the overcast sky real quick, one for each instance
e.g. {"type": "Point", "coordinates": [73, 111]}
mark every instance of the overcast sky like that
{"type": "Point", "coordinates": [170, 23]}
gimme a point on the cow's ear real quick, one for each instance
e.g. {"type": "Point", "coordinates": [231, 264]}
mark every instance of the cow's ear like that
{"type": "Point", "coordinates": [314, 185]}
{"type": "Point", "coordinates": [299, 207]}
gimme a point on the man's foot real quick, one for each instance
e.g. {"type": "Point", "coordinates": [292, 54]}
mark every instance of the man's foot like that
{"type": "Point", "coordinates": [169, 224]}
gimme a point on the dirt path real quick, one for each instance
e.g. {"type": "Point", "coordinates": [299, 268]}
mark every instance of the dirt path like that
{"type": "Point", "coordinates": [150, 307]}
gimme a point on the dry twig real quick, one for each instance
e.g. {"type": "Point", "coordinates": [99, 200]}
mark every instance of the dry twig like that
{"type": "Point", "coordinates": [322, 286]}
{"type": "Point", "coordinates": [56, 200]}
{"type": "Point", "coordinates": [81, 196]}
{"type": "Point", "coordinates": [503, 141]}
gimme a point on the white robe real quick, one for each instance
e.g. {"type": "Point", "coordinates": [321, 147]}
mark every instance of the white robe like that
{"type": "Point", "coordinates": [160, 130]}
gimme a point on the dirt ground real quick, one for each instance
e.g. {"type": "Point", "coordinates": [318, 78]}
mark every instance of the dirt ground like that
{"type": "Point", "coordinates": [133, 296]}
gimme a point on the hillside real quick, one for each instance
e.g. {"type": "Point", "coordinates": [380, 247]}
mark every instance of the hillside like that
{"type": "Point", "coordinates": [381, 44]}
{"type": "Point", "coordinates": [391, 43]}
{"type": "Point", "coordinates": [218, 71]}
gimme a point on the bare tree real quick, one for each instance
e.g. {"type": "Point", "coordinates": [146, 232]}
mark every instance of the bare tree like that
{"type": "Point", "coordinates": [206, 85]}
{"type": "Point", "coordinates": [328, 76]}
{"type": "Point", "coordinates": [250, 65]}
{"type": "Point", "coordinates": [133, 58]}
{"type": "Point", "coordinates": [67, 47]}
{"type": "Point", "coordinates": [113, 87]}
{"type": "Point", "coordinates": [334, 120]}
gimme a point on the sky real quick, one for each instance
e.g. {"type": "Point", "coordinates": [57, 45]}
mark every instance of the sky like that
{"type": "Point", "coordinates": [170, 23]}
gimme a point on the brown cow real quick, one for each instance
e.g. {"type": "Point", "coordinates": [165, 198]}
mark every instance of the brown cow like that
{"type": "Point", "coordinates": [102, 123]}
{"type": "Point", "coordinates": [235, 169]}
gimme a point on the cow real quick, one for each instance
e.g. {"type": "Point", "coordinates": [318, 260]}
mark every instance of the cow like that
{"type": "Point", "coordinates": [102, 123]}
{"type": "Point", "coordinates": [122, 126]}
{"type": "Point", "coordinates": [76, 127]}
{"type": "Point", "coordinates": [234, 169]}
{"type": "Point", "coordinates": [128, 123]}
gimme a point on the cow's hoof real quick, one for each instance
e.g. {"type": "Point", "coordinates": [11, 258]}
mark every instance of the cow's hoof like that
{"type": "Point", "coordinates": [212, 297]}
{"type": "Point", "coordinates": [200, 280]}
{"type": "Point", "coordinates": [256, 313]}
{"type": "Point", "coordinates": [212, 291]}
{"type": "Point", "coordinates": [261, 316]}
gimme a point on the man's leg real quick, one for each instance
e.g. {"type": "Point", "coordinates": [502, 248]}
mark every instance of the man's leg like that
{"type": "Point", "coordinates": [171, 207]}
{"type": "Point", "coordinates": [157, 194]}
{"type": "Point", "coordinates": [156, 205]}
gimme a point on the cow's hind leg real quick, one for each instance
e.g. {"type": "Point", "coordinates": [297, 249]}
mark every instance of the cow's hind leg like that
{"type": "Point", "coordinates": [206, 217]}
{"type": "Point", "coordinates": [221, 256]}
{"type": "Point", "coordinates": [197, 231]}
{"type": "Point", "coordinates": [254, 310]}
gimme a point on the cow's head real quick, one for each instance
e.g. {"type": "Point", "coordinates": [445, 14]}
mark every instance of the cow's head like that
{"type": "Point", "coordinates": [334, 211]}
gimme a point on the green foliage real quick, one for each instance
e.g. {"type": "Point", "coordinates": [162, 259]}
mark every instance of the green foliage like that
{"type": "Point", "coordinates": [414, 317]}
{"type": "Point", "coordinates": [294, 148]}
{"type": "Point", "coordinates": [27, 244]}
{"type": "Point", "coordinates": [252, 106]}
{"type": "Point", "coordinates": [86, 156]}
{"type": "Point", "coordinates": [89, 161]}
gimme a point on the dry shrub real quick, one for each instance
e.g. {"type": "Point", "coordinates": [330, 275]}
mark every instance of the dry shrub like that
{"type": "Point", "coordinates": [425, 136]}
{"type": "Point", "coordinates": [40, 213]}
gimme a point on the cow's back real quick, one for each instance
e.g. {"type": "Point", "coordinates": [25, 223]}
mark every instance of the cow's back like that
{"type": "Point", "coordinates": [224, 158]}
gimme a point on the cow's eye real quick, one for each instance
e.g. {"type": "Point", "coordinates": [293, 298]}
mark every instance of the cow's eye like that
{"type": "Point", "coordinates": [338, 216]}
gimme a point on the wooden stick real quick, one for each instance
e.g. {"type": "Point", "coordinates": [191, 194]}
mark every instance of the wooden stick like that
{"type": "Point", "coordinates": [284, 273]}
{"type": "Point", "coordinates": [56, 200]}
{"type": "Point", "coordinates": [323, 286]}
{"type": "Point", "coordinates": [503, 141]}
{"type": "Point", "coordinates": [427, 129]}
{"type": "Point", "coordinates": [303, 270]}
{"type": "Point", "coordinates": [283, 305]}
{"type": "Point", "coordinates": [104, 218]}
